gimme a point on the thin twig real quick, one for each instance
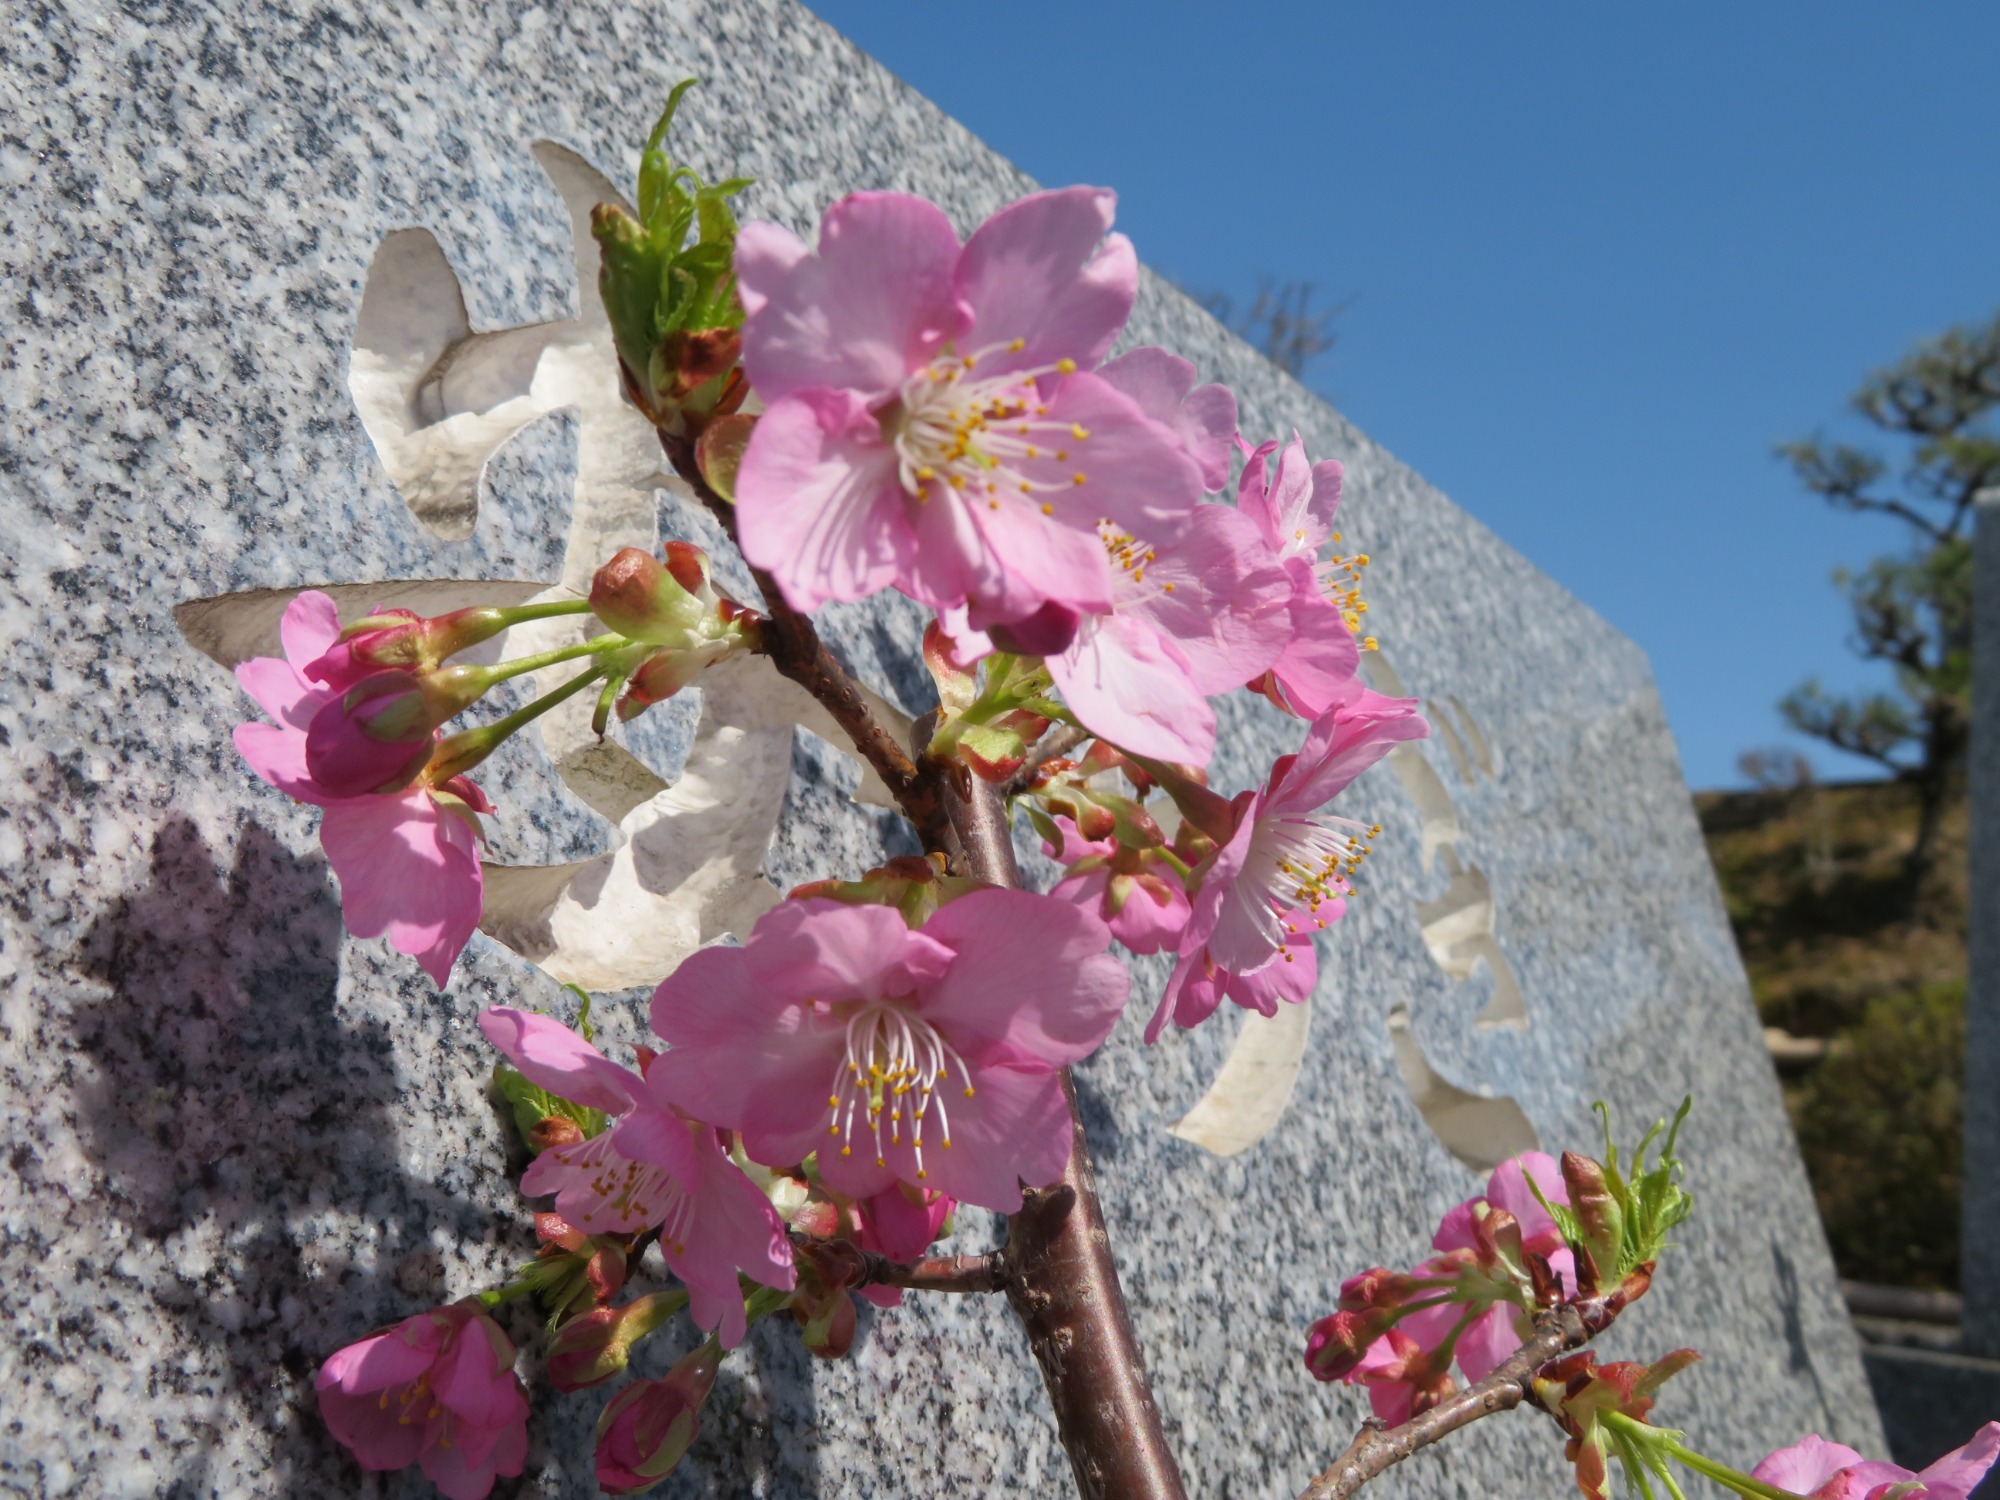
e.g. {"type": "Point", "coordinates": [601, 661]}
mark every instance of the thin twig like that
{"type": "Point", "coordinates": [1376, 1448]}
{"type": "Point", "coordinates": [1054, 745]}
{"type": "Point", "coordinates": [846, 1263]}
{"type": "Point", "coordinates": [798, 653]}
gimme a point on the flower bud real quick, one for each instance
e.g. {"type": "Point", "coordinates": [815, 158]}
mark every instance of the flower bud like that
{"type": "Point", "coordinates": [403, 640]}
{"type": "Point", "coordinates": [1377, 1287]}
{"type": "Point", "coordinates": [827, 1319]}
{"type": "Point", "coordinates": [592, 1347]}
{"type": "Point", "coordinates": [647, 1427]}
{"type": "Point", "coordinates": [552, 1131]}
{"type": "Point", "coordinates": [719, 453]}
{"type": "Point", "coordinates": [1339, 1341]}
{"type": "Point", "coordinates": [635, 595]}
{"type": "Point", "coordinates": [378, 735]}
{"type": "Point", "coordinates": [1599, 1216]}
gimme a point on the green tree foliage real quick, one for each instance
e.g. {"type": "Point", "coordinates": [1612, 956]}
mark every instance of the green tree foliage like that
{"type": "Point", "coordinates": [1912, 610]}
{"type": "Point", "coordinates": [1879, 1123]}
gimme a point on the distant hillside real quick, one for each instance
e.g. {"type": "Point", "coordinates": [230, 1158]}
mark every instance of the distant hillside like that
{"type": "Point", "coordinates": [1868, 1006]}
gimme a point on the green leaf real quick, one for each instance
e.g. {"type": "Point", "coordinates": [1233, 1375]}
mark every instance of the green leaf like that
{"type": "Point", "coordinates": [532, 1105]}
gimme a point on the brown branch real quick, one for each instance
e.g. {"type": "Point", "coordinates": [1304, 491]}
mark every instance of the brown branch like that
{"type": "Point", "coordinates": [1054, 745]}
{"type": "Point", "coordinates": [847, 1263]}
{"type": "Point", "coordinates": [1377, 1448]}
{"type": "Point", "coordinates": [796, 650]}
{"type": "Point", "coordinates": [1060, 1278]}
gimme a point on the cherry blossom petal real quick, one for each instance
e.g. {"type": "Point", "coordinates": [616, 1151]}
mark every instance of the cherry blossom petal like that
{"type": "Point", "coordinates": [1214, 591]}
{"type": "Point", "coordinates": [1163, 386]}
{"type": "Point", "coordinates": [310, 627]}
{"type": "Point", "coordinates": [874, 303]}
{"type": "Point", "coordinates": [1046, 1003]}
{"type": "Point", "coordinates": [278, 755]}
{"type": "Point", "coordinates": [781, 1054]}
{"type": "Point", "coordinates": [554, 1058]}
{"type": "Point", "coordinates": [818, 501]}
{"type": "Point", "coordinates": [406, 869]}
{"type": "Point", "coordinates": [1806, 1465]}
{"type": "Point", "coordinates": [280, 691]}
{"type": "Point", "coordinates": [1508, 1189]}
{"type": "Point", "coordinates": [1132, 685]}
{"type": "Point", "coordinates": [1047, 271]}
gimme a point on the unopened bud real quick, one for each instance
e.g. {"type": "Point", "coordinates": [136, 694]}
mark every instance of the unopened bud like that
{"type": "Point", "coordinates": [591, 1348]}
{"type": "Point", "coordinates": [1339, 1341]}
{"type": "Point", "coordinates": [403, 640]}
{"type": "Point", "coordinates": [719, 453]}
{"type": "Point", "coordinates": [1599, 1216]}
{"type": "Point", "coordinates": [552, 1131]}
{"type": "Point", "coordinates": [1377, 1287]}
{"type": "Point", "coordinates": [827, 1320]}
{"type": "Point", "coordinates": [647, 1427]}
{"type": "Point", "coordinates": [378, 735]}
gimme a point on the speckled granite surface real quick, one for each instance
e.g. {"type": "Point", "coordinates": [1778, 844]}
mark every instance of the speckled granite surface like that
{"type": "Point", "coordinates": [235, 1140]}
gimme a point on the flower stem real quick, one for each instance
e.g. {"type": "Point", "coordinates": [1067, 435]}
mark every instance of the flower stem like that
{"type": "Point", "coordinates": [469, 747]}
{"type": "Point", "coordinates": [520, 614]}
{"type": "Point", "coordinates": [597, 645]}
{"type": "Point", "coordinates": [1722, 1474]}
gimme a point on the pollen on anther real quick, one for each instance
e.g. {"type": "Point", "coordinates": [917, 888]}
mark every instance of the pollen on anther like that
{"type": "Point", "coordinates": [1168, 587]}
{"type": "Point", "coordinates": [1065, 367]}
{"type": "Point", "coordinates": [846, 1150]}
{"type": "Point", "coordinates": [1079, 431]}
{"type": "Point", "coordinates": [1017, 346]}
{"type": "Point", "coordinates": [1077, 478]}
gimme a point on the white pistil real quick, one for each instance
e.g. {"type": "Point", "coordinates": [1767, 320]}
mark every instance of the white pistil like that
{"type": "Point", "coordinates": [970, 433]}
{"type": "Point", "coordinates": [892, 1065]}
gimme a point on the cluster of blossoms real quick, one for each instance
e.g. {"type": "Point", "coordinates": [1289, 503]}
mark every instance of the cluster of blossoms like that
{"type": "Point", "coordinates": [939, 418]}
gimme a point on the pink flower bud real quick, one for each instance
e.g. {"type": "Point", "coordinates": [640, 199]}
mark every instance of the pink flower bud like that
{"type": "Point", "coordinates": [402, 640]}
{"type": "Point", "coordinates": [1377, 1287]}
{"type": "Point", "coordinates": [1339, 1341]}
{"type": "Point", "coordinates": [592, 1347]}
{"type": "Point", "coordinates": [378, 735]}
{"type": "Point", "coordinates": [647, 1427]}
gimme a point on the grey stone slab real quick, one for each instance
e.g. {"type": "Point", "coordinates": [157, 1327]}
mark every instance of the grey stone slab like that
{"type": "Point", "coordinates": [1979, 1234]}
{"type": "Point", "coordinates": [238, 1139]}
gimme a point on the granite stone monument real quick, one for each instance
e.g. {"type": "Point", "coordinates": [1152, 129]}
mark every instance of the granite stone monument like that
{"type": "Point", "coordinates": [298, 295]}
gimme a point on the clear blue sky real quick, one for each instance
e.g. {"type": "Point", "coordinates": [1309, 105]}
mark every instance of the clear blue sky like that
{"type": "Point", "coordinates": [1601, 256]}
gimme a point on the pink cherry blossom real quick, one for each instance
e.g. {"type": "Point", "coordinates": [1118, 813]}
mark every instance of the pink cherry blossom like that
{"type": "Point", "coordinates": [408, 861]}
{"type": "Point", "coordinates": [931, 421]}
{"type": "Point", "coordinates": [928, 1058]}
{"type": "Point", "coordinates": [653, 1168]}
{"type": "Point", "coordinates": [1202, 417]}
{"type": "Point", "coordinates": [437, 1390]}
{"type": "Point", "coordinates": [1137, 893]}
{"type": "Point", "coordinates": [1282, 875]}
{"type": "Point", "coordinates": [1202, 611]}
{"type": "Point", "coordinates": [1832, 1471]}
{"type": "Point", "coordinates": [1500, 1329]}
{"type": "Point", "coordinates": [1293, 510]}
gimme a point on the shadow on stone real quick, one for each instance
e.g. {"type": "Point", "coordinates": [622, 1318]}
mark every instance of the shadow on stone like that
{"type": "Point", "coordinates": [229, 1105]}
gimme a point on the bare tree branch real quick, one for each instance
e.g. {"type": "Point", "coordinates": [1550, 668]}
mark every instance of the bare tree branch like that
{"type": "Point", "coordinates": [1378, 1447]}
{"type": "Point", "coordinates": [796, 650]}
